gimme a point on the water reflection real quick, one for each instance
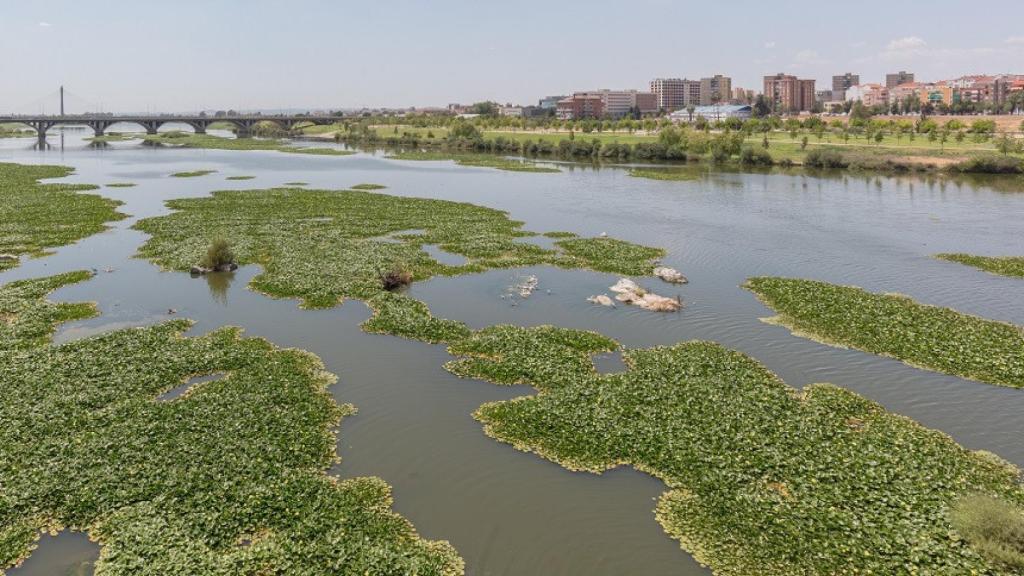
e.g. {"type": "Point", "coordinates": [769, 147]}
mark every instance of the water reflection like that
{"type": "Point", "coordinates": [219, 283]}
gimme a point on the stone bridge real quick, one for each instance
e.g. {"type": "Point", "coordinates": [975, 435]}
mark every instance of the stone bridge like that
{"type": "Point", "coordinates": [99, 123]}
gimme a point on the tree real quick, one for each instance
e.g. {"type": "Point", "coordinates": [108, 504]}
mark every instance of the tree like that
{"type": "Point", "coordinates": [878, 137]}
{"type": "Point", "coordinates": [689, 111]}
{"type": "Point", "coordinates": [764, 142]}
{"type": "Point", "coordinates": [803, 143]}
{"type": "Point", "coordinates": [1005, 144]}
{"type": "Point", "coordinates": [761, 108]}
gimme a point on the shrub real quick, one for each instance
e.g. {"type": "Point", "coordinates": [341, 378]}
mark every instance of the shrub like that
{"type": "Point", "coordinates": [218, 254]}
{"type": "Point", "coordinates": [993, 527]}
{"type": "Point", "coordinates": [755, 157]}
{"type": "Point", "coordinates": [395, 278]}
{"type": "Point", "coordinates": [825, 158]}
{"type": "Point", "coordinates": [990, 164]}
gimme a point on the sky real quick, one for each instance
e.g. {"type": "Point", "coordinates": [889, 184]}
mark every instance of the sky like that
{"type": "Point", "coordinates": [187, 55]}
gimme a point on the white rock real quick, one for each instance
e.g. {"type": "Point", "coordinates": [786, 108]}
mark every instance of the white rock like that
{"type": "Point", "coordinates": [670, 275]}
{"type": "Point", "coordinates": [602, 300]}
{"type": "Point", "coordinates": [629, 292]}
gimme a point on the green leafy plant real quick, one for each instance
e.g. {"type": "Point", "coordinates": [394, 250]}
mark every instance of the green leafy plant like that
{"type": "Point", "coordinates": [1012, 266]}
{"type": "Point", "coordinates": [930, 337]}
{"type": "Point", "coordinates": [218, 254]}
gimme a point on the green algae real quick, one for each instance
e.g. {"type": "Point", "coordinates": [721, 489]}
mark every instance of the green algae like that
{"type": "Point", "coordinates": [930, 337]}
{"type": "Point", "coordinates": [227, 479]}
{"type": "Point", "coordinates": [35, 216]}
{"type": "Point", "coordinates": [1012, 266]}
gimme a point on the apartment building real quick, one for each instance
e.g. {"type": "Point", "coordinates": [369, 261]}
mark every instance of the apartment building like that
{"type": "Point", "coordinates": [580, 106]}
{"type": "Point", "coordinates": [840, 84]}
{"type": "Point", "coordinates": [788, 93]}
{"type": "Point", "coordinates": [716, 89]}
{"type": "Point", "coordinates": [675, 93]}
{"type": "Point", "coordinates": [868, 94]}
{"type": "Point", "coordinates": [897, 78]}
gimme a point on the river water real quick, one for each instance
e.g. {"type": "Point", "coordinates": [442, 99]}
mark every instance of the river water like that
{"type": "Point", "coordinates": [511, 513]}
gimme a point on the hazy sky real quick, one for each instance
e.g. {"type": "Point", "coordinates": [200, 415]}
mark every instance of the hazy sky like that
{"type": "Point", "coordinates": [174, 55]}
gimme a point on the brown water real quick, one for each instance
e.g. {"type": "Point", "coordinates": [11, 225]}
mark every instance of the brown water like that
{"type": "Point", "coordinates": [510, 513]}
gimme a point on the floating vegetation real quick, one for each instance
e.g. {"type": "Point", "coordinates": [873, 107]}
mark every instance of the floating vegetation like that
{"type": "Point", "coordinates": [476, 160]}
{"type": "Point", "coordinates": [121, 185]}
{"type": "Point", "coordinates": [36, 216]}
{"type": "Point", "coordinates": [323, 246]}
{"type": "Point", "coordinates": [239, 177]}
{"type": "Point", "coordinates": [560, 234]}
{"type": "Point", "coordinates": [177, 486]}
{"type": "Point", "coordinates": [925, 336]}
{"type": "Point", "coordinates": [611, 255]}
{"type": "Point", "coordinates": [762, 479]}
{"type": "Point", "coordinates": [192, 174]}
{"type": "Point", "coordinates": [114, 137]}
{"type": "Point", "coordinates": [686, 174]}
{"type": "Point", "coordinates": [1012, 266]}
{"type": "Point", "coordinates": [369, 187]}
{"type": "Point", "coordinates": [317, 151]}
{"type": "Point", "coordinates": [296, 183]}
{"type": "Point", "coordinates": [206, 141]}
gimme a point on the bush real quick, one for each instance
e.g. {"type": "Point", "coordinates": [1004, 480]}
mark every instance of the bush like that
{"type": "Point", "coordinates": [395, 278]}
{"type": "Point", "coordinates": [218, 254]}
{"type": "Point", "coordinates": [993, 527]}
{"type": "Point", "coordinates": [825, 158]}
{"type": "Point", "coordinates": [990, 164]}
{"type": "Point", "coordinates": [751, 156]}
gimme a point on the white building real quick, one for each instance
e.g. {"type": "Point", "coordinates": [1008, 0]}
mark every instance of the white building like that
{"type": "Point", "coordinates": [713, 113]}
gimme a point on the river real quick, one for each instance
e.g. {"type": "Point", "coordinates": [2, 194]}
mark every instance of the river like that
{"type": "Point", "coordinates": [509, 513]}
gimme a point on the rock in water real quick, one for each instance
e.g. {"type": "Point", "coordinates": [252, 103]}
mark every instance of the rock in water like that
{"type": "Point", "coordinates": [602, 300]}
{"type": "Point", "coordinates": [670, 275]}
{"type": "Point", "coordinates": [631, 293]}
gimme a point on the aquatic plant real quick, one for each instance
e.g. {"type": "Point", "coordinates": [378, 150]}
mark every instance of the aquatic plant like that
{"type": "Point", "coordinates": [323, 246]}
{"type": "Point", "coordinates": [476, 160]}
{"type": "Point", "coordinates": [559, 234]}
{"type": "Point", "coordinates": [226, 479]}
{"type": "Point", "coordinates": [685, 174]}
{"type": "Point", "coordinates": [316, 151]}
{"type": "Point", "coordinates": [35, 217]}
{"type": "Point", "coordinates": [369, 187]}
{"type": "Point", "coordinates": [891, 325]}
{"type": "Point", "coordinates": [1012, 266]}
{"type": "Point", "coordinates": [762, 479]}
{"type": "Point", "coordinates": [209, 142]}
{"type": "Point", "coordinates": [192, 174]}
{"type": "Point", "coordinates": [239, 177]}
{"type": "Point", "coordinates": [121, 185]}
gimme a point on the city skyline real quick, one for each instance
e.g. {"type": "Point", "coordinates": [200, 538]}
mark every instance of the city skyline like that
{"type": "Point", "coordinates": [328, 55]}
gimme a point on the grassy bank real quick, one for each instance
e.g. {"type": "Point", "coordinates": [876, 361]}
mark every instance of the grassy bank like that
{"type": "Point", "coordinates": [925, 336]}
{"type": "Point", "coordinates": [1012, 266]}
{"type": "Point", "coordinates": [36, 216]}
{"type": "Point", "coordinates": [227, 479]}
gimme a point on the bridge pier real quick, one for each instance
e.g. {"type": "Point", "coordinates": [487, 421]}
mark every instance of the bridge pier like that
{"type": "Point", "coordinates": [151, 126]}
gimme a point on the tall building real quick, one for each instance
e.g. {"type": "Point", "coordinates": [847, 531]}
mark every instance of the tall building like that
{"type": "Point", "coordinates": [868, 94]}
{"type": "Point", "coordinates": [840, 84]}
{"type": "Point", "coordinates": [675, 93]}
{"type": "Point", "coordinates": [788, 93]}
{"type": "Point", "coordinates": [901, 77]}
{"type": "Point", "coordinates": [717, 89]}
